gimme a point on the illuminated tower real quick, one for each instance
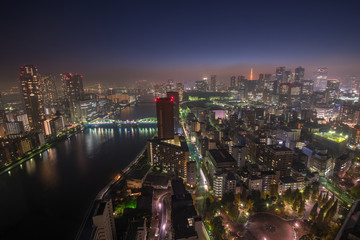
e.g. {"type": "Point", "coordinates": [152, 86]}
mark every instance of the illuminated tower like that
{"type": "Point", "coordinates": [73, 92]}
{"type": "Point", "coordinates": [165, 117]}
{"type": "Point", "coordinates": [175, 97]}
{"type": "Point", "coordinates": [320, 79]}
{"type": "Point", "coordinates": [30, 90]}
{"type": "Point", "coordinates": [251, 74]}
{"type": "Point", "coordinates": [49, 93]}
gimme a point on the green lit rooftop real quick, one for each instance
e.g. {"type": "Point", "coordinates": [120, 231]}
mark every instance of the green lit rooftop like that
{"type": "Point", "coordinates": [332, 136]}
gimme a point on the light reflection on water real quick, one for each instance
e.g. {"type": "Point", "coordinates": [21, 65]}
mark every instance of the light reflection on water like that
{"type": "Point", "coordinates": [55, 189]}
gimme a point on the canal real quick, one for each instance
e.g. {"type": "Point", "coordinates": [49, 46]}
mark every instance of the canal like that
{"type": "Point", "coordinates": [47, 197]}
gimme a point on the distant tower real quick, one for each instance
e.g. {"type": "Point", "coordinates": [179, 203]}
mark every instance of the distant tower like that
{"type": "Point", "coordinates": [321, 79]}
{"type": "Point", "coordinates": [31, 92]}
{"type": "Point", "coordinates": [49, 93]}
{"type": "Point", "coordinates": [251, 73]}
{"type": "Point", "coordinates": [232, 82]}
{"type": "Point", "coordinates": [213, 83]}
{"type": "Point", "coordinates": [73, 92]}
{"type": "Point", "coordinates": [165, 117]}
{"type": "Point", "coordinates": [299, 74]}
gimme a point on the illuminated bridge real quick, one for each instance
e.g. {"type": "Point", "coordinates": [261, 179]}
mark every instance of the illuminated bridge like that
{"type": "Point", "coordinates": [100, 122]}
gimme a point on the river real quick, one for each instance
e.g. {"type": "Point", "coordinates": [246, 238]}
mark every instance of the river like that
{"type": "Point", "coordinates": [47, 197]}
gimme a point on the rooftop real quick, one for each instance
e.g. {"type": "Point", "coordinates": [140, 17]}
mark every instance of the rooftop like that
{"type": "Point", "coordinates": [221, 155]}
{"type": "Point", "coordinates": [332, 136]}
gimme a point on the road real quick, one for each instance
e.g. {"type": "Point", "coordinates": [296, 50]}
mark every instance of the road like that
{"type": "Point", "coordinates": [339, 193]}
{"type": "Point", "coordinates": [163, 225]}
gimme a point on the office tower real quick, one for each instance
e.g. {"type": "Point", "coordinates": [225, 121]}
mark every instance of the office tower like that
{"type": "Point", "coordinates": [332, 89]}
{"type": "Point", "coordinates": [165, 117]}
{"type": "Point", "coordinates": [103, 222]}
{"type": "Point", "coordinates": [279, 77]}
{"type": "Point", "coordinates": [213, 83]}
{"type": "Point", "coordinates": [320, 79]}
{"type": "Point", "coordinates": [232, 82]}
{"type": "Point", "coordinates": [73, 92]}
{"type": "Point", "coordinates": [288, 76]}
{"type": "Point", "coordinates": [240, 82]}
{"type": "Point", "coordinates": [267, 81]}
{"type": "Point", "coordinates": [201, 85]}
{"type": "Point", "coordinates": [280, 74]}
{"type": "Point", "coordinates": [49, 93]}
{"type": "Point", "coordinates": [175, 97]}
{"type": "Point", "coordinates": [31, 92]}
{"type": "Point", "coordinates": [299, 74]}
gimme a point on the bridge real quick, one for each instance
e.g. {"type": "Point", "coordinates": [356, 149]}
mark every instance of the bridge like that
{"type": "Point", "coordinates": [102, 122]}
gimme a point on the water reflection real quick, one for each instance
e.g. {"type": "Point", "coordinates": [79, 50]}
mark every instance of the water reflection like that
{"type": "Point", "coordinates": [48, 169]}
{"type": "Point", "coordinates": [30, 166]}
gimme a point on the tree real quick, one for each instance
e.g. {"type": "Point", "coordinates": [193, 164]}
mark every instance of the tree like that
{"type": "Point", "coordinates": [233, 212]}
{"type": "Point", "coordinates": [218, 228]}
{"type": "Point", "coordinates": [331, 212]}
{"type": "Point", "coordinates": [273, 190]}
{"type": "Point", "coordinates": [313, 212]}
{"type": "Point", "coordinates": [287, 195]}
{"type": "Point", "coordinates": [243, 195]}
{"type": "Point", "coordinates": [328, 204]}
{"type": "Point", "coordinates": [320, 199]}
{"type": "Point", "coordinates": [320, 218]}
{"type": "Point", "coordinates": [228, 198]}
{"type": "Point", "coordinates": [301, 209]}
{"type": "Point", "coordinates": [355, 191]}
{"type": "Point", "coordinates": [307, 192]}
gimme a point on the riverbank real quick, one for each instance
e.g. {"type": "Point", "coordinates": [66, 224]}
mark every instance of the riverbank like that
{"type": "Point", "coordinates": [86, 227]}
{"type": "Point", "coordinates": [28, 156]}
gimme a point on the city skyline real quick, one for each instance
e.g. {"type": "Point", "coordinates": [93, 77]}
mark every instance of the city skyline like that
{"type": "Point", "coordinates": [124, 42]}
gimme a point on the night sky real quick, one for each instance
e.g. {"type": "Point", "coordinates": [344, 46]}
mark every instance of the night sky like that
{"type": "Point", "coordinates": [120, 42]}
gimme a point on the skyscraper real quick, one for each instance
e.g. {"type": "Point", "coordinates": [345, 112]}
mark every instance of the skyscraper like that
{"type": "Point", "coordinates": [299, 74]}
{"type": "Point", "coordinates": [165, 117]}
{"type": "Point", "coordinates": [213, 83]}
{"type": "Point", "coordinates": [320, 79]}
{"type": "Point", "coordinates": [288, 76]}
{"type": "Point", "coordinates": [232, 82]}
{"type": "Point", "coordinates": [279, 77]}
{"type": "Point", "coordinates": [201, 85]}
{"type": "Point", "coordinates": [49, 93]}
{"type": "Point", "coordinates": [175, 97]}
{"type": "Point", "coordinates": [73, 92]}
{"type": "Point", "coordinates": [30, 90]}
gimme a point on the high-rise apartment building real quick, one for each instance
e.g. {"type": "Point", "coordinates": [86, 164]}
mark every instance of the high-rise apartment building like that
{"type": "Point", "coordinates": [103, 222]}
{"type": "Point", "coordinates": [278, 158]}
{"type": "Point", "coordinates": [165, 117]}
{"type": "Point", "coordinates": [299, 74]}
{"type": "Point", "coordinates": [175, 97]}
{"type": "Point", "coordinates": [31, 92]}
{"type": "Point", "coordinates": [49, 93]}
{"type": "Point", "coordinates": [169, 154]}
{"type": "Point", "coordinates": [73, 92]}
